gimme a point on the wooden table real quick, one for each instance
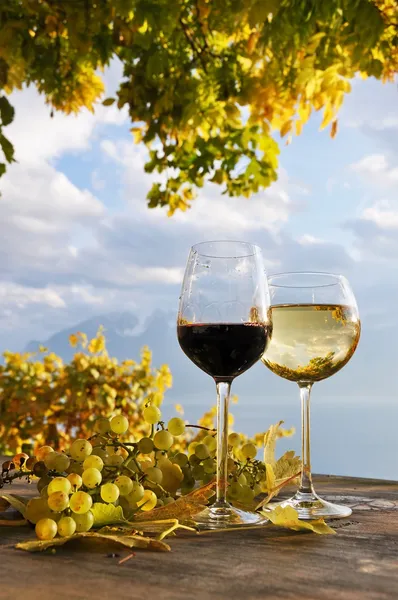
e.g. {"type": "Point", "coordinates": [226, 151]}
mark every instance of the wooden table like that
{"type": "Point", "coordinates": [359, 563]}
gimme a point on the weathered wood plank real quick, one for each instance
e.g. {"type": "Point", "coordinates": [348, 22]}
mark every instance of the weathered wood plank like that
{"type": "Point", "coordinates": [359, 563]}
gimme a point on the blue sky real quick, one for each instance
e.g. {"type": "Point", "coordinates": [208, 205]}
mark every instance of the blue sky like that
{"type": "Point", "coordinates": [77, 239]}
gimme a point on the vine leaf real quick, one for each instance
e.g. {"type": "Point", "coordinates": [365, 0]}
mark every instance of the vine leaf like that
{"type": "Point", "coordinates": [161, 528]}
{"type": "Point", "coordinates": [182, 509]}
{"type": "Point", "coordinates": [129, 541]}
{"type": "Point", "coordinates": [288, 517]}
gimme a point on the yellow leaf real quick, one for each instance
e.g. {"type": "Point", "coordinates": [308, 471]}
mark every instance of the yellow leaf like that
{"type": "Point", "coordinates": [97, 344]}
{"type": "Point", "coordinates": [184, 508]}
{"type": "Point", "coordinates": [299, 127]}
{"type": "Point", "coordinates": [327, 116]}
{"type": "Point", "coordinates": [286, 127]}
{"type": "Point", "coordinates": [179, 409]}
{"type": "Point", "coordinates": [269, 478]}
{"type": "Point", "coordinates": [129, 541]}
{"type": "Point", "coordinates": [107, 514]}
{"type": "Point", "coordinates": [73, 340]}
{"type": "Point", "coordinates": [288, 517]}
{"type": "Point", "coordinates": [333, 130]}
{"type": "Point", "coordinates": [270, 438]}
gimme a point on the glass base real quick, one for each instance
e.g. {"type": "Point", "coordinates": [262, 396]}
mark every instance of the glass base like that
{"type": "Point", "coordinates": [226, 516]}
{"type": "Point", "coordinates": [311, 507]}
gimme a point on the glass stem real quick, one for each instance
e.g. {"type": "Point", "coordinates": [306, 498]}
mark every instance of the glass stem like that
{"type": "Point", "coordinates": [223, 392]}
{"type": "Point", "coordinates": [306, 477]}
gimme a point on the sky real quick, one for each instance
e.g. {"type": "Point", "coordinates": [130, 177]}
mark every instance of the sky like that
{"type": "Point", "coordinates": [77, 239]}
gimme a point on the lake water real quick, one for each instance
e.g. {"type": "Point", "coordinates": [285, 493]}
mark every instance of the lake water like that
{"type": "Point", "coordinates": [348, 436]}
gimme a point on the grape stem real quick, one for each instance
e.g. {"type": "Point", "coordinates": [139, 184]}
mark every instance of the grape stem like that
{"type": "Point", "coordinates": [201, 427]}
{"type": "Point", "coordinates": [8, 479]}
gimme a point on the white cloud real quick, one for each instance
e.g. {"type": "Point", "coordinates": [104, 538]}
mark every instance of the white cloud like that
{"type": "Point", "coordinates": [375, 163]}
{"type": "Point", "coordinates": [384, 213]}
{"type": "Point", "coordinates": [12, 295]}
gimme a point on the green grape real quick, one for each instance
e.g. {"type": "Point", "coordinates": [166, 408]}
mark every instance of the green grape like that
{"type": "Point", "coordinates": [151, 414]}
{"type": "Point", "coordinates": [202, 451]}
{"type": "Point", "coordinates": [246, 495]}
{"type": "Point", "coordinates": [124, 484]}
{"type": "Point", "coordinates": [109, 492]}
{"type": "Point", "coordinates": [40, 469]}
{"type": "Point", "coordinates": [180, 459]}
{"type": "Point", "coordinates": [84, 522]}
{"type": "Point", "coordinates": [93, 462]}
{"type": "Point", "coordinates": [66, 527]}
{"type": "Point", "coordinates": [43, 482]}
{"type": "Point", "coordinates": [119, 424]}
{"type": "Point", "coordinates": [249, 451]}
{"type": "Point", "coordinates": [163, 439]}
{"type": "Point", "coordinates": [209, 465]}
{"type": "Point", "coordinates": [80, 502]}
{"type": "Point", "coordinates": [101, 453]}
{"type": "Point", "coordinates": [191, 447]}
{"type": "Point", "coordinates": [194, 460]}
{"type": "Point", "coordinates": [168, 500]}
{"type": "Point", "coordinates": [231, 465]}
{"type": "Point", "coordinates": [148, 501]}
{"type": "Point", "coordinates": [242, 479]}
{"type": "Point", "coordinates": [145, 445]}
{"type": "Point", "coordinates": [257, 490]}
{"type": "Point", "coordinates": [154, 474]}
{"type": "Point", "coordinates": [80, 449]}
{"type": "Point", "coordinates": [57, 461]}
{"type": "Point", "coordinates": [75, 480]}
{"type": "Point", "coordinates": [76, 466]}
{"type": "Point", "coordinates": [102, 425]}
{"type": "Point", "coordinates": [42, 452]}
{"type": "Point", "coordinates": [159, 503]}
{"type": "Point", "coordinates": [136, 494]}
{"type": "Point", "coordinates": [36, 509]}
{"type": "Point", "coordinates": [211, 442]}
{"type": "Point", "coordinates": [198, 472]}
{"type": "Point", "coordinates": [91, 478]}
{"type": "Point", "coordinates": [176, 426]}
{"type": "Point", "coordinates": [46, 529]}
{"type": "Point", "coordinates": [114, 460]}
{"type": "Point", "coordinates": [59, 484]}
{"type": "Point", "coordinates": [58, 501]}
{"type": "Point", "coordinates": [234, 440]}
{"type": "Point", "coordinates": [235, 490]}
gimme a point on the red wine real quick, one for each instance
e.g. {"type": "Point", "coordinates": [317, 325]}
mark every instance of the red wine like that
{"type": "Point", "coordinates": [223, 350]}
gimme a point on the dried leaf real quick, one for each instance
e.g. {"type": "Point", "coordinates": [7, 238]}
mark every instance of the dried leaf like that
{"type": "Point", "coordinates": [288, 517]}
{"type": "Point", "coordinates": [275, 491]}
{"type": "Point", "coordinates": [16, 502]}
{"type": "Point", "coordinates": [333, 130]}
{"type": "Point", "coordinates": [270, 438]}
{"type": "Point", "coordinates": [183, 508]}
{"type": "Point", "coordinates": [129, 541]}
{"type": "Point", "coordinates": [161, 528]}
{"type": "Point", "coordinates": [107, 514]}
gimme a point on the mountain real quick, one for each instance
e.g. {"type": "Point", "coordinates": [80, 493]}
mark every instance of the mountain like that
{"type": "Point", "coordinates": [126, 335]}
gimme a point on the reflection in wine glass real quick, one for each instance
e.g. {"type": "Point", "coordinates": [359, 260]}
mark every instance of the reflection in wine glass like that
{"type": "Point", "coordinates": [316, 330]}
{"type": "Point", "coordinates": [223, 327]}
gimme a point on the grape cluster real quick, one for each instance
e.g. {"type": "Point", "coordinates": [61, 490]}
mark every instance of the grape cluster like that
{"type": "Point", "coordinates": [138, 476]}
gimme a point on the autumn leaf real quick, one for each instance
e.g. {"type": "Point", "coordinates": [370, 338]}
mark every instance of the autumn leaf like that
{"type": "Point", "coordinates": [129, 541]}
{"type": "Point", "coordinates": [288, 517]}
{"type": "Point", "coordinates": [97, 344]}
{"type": "Point", "coordinates": [73, 340]}
{"type": "Point", "coordinates": [160, 528]}
{"type": "Point", "coordinates": [184, 508]}
{"type": "Point", "coordinates": [270, 438]}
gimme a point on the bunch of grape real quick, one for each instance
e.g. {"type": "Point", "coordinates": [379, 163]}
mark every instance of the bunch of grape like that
{"type": "Point", "coordinates": [138, 476]}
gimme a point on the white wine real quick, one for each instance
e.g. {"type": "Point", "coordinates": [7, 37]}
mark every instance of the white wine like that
{"type": "Point", "coordinates": [310, 342]}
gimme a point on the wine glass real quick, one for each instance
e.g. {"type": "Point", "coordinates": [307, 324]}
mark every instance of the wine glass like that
{"type": "Point", "coordinates": [316, 330]}
{"type": "Point", "coordinates": [223, 326]}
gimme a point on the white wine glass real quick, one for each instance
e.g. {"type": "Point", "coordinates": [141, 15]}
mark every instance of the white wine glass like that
{"type": "Point", "coordinates": [223, 327]}
{"type": "Point", "coordinates": [316, 329]}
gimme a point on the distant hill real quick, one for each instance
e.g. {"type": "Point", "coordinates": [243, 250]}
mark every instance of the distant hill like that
{"type": "Point", "coordinates": [126, 336]}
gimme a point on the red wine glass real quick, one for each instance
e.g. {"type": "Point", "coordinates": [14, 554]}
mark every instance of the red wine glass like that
{"type": "Point", "coordinates": [223, 326]}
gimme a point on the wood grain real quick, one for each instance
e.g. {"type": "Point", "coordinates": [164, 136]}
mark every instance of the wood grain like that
{"type": "Point", "coordinates": [359, 563]}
